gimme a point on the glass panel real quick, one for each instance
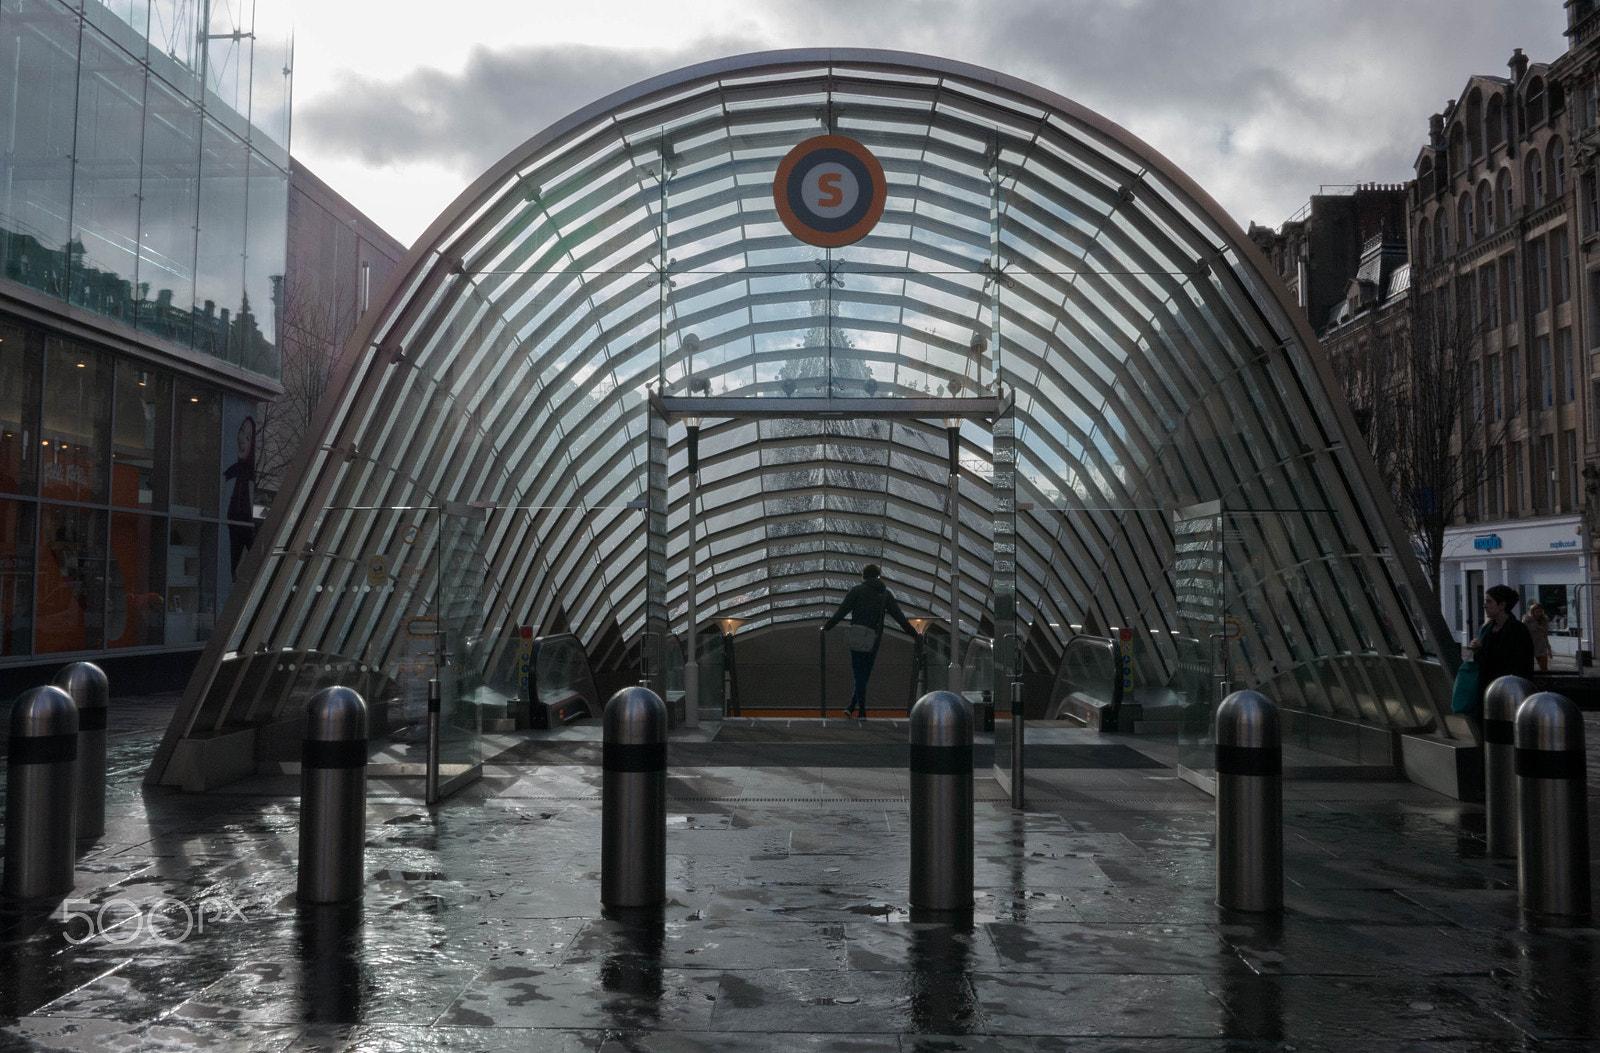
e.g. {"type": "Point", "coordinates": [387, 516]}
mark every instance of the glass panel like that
{"type": "Point", "coordinates": [20, 382]}
{"type": "Point", "coordinates": [17, 560]}
{"type": "Point", "coordinates": [170, 199]}
{"type": "Point", "coordinates": [135, 603]}
{"type": "Point", "coordinates": [229, 42]}
{"type": "Point", "coordinates": [140, 445]}
{"type": "Point", "coordinates": [271, 75]}
{"type": "Point", "coordinates": [105, 187]}
{"type": "Point", "coordinates": [75, 436]}
{"type": "Point", "coordinates": [219, 266]}
{"type": "Point", "coordinates": [265, 250]}
{"type": "Point", "coordinates": [196, 442]}
{"type": "Point", "coordinates": [191, 592]}
{"type": "Point", "coordinates": [38, 92]}
{"type": "Point", "coordinates": [70, 598]}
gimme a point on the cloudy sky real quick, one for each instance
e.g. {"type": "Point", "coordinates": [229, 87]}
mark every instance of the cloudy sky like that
{"type": "Point", "coordinates": [400, 105]}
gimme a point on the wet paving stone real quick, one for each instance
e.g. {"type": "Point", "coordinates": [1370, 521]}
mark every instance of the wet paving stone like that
{"type": "Point", "coordinates": [787, 925]}
{"type": "Point", "coordinates": [618, 992]}
{"type": "Point", "coordinates": [1143, 949]}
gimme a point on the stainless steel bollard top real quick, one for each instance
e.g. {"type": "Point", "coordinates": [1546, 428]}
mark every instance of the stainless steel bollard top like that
{"type": "Point", "coordinates": [1500, 703]}
{"type": "Point", "coordinates": [336, 714]}
{"type": "Point", "coordinates": [42, 713]}
{"type": "Point", "coordinates": [1548, 721]}
{"type": "Point", "coordinates": [635, 716]}
{"type": "Point", "coordinates": [1247, 720]}
{"type": "Point", "coordinates": [941, 719]}
{"type": "Point", "coordinates": [87, 684]}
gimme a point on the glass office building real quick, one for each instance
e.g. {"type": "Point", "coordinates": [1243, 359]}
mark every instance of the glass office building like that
{"type": "Point", "coordinates": [1148, 446]}
{"type": "Point", "coordinates": [143, 194]}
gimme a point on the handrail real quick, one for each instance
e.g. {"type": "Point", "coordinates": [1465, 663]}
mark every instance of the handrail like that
{"type": "Point", "coordinates": [1096, 654]}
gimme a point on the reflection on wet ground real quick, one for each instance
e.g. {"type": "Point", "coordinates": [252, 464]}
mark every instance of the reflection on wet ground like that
{"type": "Point", "coordinates": [787, 924]}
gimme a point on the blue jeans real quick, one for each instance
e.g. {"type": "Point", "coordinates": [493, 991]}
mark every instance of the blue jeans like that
{"type": "Point", "coordinates": [861, 663]}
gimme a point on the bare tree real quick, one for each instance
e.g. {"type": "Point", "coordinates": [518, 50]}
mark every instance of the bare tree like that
{"type": "Point", "coordinates": [316, 323]}
{"type": "Point", "coordinates": [1433, 412]}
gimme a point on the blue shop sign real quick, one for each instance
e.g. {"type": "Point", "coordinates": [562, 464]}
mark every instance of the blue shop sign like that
{"type": "Point", "coordinates": [1488, 541]}
{"type": "Point", "coordinates": [1570, 543]}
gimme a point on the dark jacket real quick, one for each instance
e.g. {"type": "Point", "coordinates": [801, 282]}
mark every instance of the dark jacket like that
{"type": "Point", "coordinates": [866, 604]}
{"type": "Point", "coordinates": [1507, 651]}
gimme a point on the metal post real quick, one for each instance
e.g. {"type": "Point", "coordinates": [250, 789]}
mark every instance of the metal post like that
{"type": "Point", "coordinates": [1017, 725]}
{"type": "Point", "coordinates": [941, 802]}
{"type": "Point", "coordinates": [633, 801]}
{"type": "Point", "coordinates": [1249, 804]}
{"type": "Point", "coordinates": [86, 683]}
{"type": "Point", "coordinates": [822, 674]}
{"type": "Point", "coordinates": [691, 664]}
{"type": "Point", "coordinates": [333, 798]}
{"type": "Point", "coordinates": [1552, 808]}
{"type": "Point", "coordinates": [41, 791]}
{"type": "Point", "coordinates": [1500, 704]}
{"type": "Point", "coordinates": [953, 670]}
{"type": "Point", "coordinates": [430, 778]}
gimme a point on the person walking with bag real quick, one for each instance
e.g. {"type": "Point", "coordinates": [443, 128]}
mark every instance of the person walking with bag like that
{"type": "Point", "coordinates": [866, 605]}
{"type": "Point", "coordinates": [1538, 623]}
{"type": "Point", "coordinates": [1503, 647]}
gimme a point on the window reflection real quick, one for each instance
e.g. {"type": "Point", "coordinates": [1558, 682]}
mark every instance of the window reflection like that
{"type": "Point", "coordinates": [19, 412]}
{"type": "Point", "coordinates": [191, 581]}
{"type": "Point", "coordinates": [70, 599]}
{"type": "Point", "coordinates": [139, 453]}
{"type": "Point", "coordinates": [196, 439]}
{"type": "Point", "coordinates": [77, 414]}
{"type": "Point", "coordinates": [17, 555]}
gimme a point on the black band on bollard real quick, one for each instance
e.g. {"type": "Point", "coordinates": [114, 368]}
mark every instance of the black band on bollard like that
{"type": "Point", "coordinates": [1250, 760]}
{"type": "Point", "coordinates": [1550, 764]}
{"type": "Point", "coordinates": [941, 760]}
{"type": "Point", "coordinates": [93, 719]}
{"type": "Point", "coordinates": [351, 753]}
{"type": "Point", "coordinates": [43, 749]}
{"type": "Point", "coordinates": [1500, 732]}
{"type": "Point", "coordinates": [626, 757]}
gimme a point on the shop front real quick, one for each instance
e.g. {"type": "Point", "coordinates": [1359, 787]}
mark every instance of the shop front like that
{"type": "Point", "coordinates": [1545, 560]}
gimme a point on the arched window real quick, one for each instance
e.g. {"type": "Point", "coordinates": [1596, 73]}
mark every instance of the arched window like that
{"type": "Point", "coordinates": [1442, 222]}
{"type": "Point", "coordinates": [1425, 242]}
{"type": "Point", "coordinates": [1533, 179]}
{"type": "Point", "coordinates": [1485, 208]}
{"type": "Point", "coordinates": [1494, 121]}
{"type": "Point", "coordinates": [1458, 148]}
{"type": "Point", "coordinates": [1464, 219]}
{"type": "Point", "coordinates": [1508, 204]}
{"type": "Point", "coordinates": [1533, 104]}
{"type": "Point", "coordinates": [1474, 125]}
{"type": "Point", "coordinates": [1558, 168]}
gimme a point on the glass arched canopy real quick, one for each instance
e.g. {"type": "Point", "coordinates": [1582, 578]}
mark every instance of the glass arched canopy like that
{"type": "Point", "coordinates": [1038, 274]}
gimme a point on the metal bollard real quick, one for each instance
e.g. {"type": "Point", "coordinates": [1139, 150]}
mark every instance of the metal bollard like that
{"type": "Point", "coordinates": [633, 803]}
{"type": "Point", "coordinates": [86, 683]}
{"type": "Point", "coordinates": [1552, 808]}
{"type": "Point", "coordinates": [333, 798]}
{"type": "Point", "coordinates": [1249, 804]}
{"type": "Point", "coordinates": [41, 792]}
{"type": "Point", "coordinates": [941, 802]}
{"type": "Point", "coordinates": [1500, 704]}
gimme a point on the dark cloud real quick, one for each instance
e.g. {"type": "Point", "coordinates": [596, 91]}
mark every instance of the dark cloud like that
{"type": "Point", "coordinates": [469, 120]}
{"type": "Point", "coordinates": [1261, 101]}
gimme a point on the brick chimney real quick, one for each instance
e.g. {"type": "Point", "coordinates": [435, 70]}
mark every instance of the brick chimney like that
{"type": "Point", "coordinates": [1519, 66]}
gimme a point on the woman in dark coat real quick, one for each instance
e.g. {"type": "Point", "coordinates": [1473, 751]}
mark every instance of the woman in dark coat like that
{"type": "Point", "coordinates": [1503, 647]}
{"type": "Point", "coordinates": [866, 605]}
